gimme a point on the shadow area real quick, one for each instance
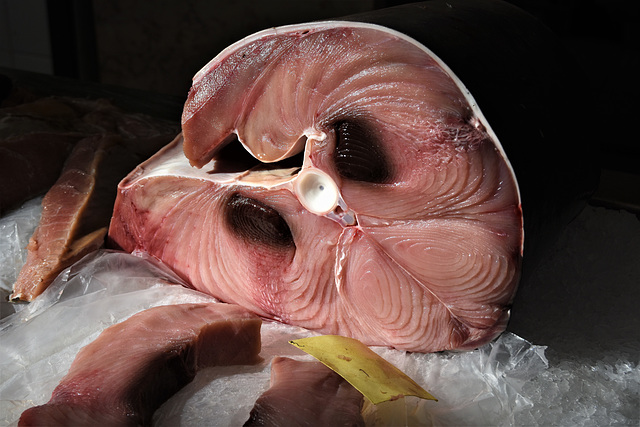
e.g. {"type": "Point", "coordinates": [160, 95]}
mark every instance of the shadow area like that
{"type": "Point", "coordinates": [581, 300]}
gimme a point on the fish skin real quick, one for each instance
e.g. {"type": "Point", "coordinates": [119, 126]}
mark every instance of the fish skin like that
{"type": "Point", "coordinates": [533, 93]}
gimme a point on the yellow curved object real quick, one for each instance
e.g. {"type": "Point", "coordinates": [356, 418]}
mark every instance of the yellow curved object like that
{"type": "Point", "coordinates": [373, 376]}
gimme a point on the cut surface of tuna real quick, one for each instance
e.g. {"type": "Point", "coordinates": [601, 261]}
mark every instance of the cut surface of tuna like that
{"type": "Point", "coordinates": [134, 366]}
{"type": "Point", "coordinates": [306, 393]}
{"type": "Point", "coordinates": [377, 203]}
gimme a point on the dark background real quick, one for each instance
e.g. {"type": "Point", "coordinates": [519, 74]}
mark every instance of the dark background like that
{"type": "Point", "coordinates": [158, 46]}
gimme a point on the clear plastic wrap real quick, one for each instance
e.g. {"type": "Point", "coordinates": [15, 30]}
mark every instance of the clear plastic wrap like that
{"type": "Point", "coordinates": [507, 382]}
{"type": "Point", "coordinates": [40, 342]}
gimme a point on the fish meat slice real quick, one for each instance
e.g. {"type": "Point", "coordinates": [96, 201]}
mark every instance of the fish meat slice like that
{"type": "Point", "coordinates": [83, 149]}
{"type": "Point", "coordinates": [123, 376]}
{"type": "Point", "coordinates": [59, 240]}
{"type": "Point", "coordinates": [77, 209]}
{"type": "Point", "coordinates": [24, 171]}
{"type": "Point", "coordinates": [306, 394]}
{"type": "Point", "coordinates": [342, 177]}
{"type": "Point", "coordinates": [36, 137]}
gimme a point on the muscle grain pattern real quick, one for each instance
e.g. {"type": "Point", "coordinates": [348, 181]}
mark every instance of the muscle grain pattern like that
{"type": "Point", "coordinates": [433, 259]}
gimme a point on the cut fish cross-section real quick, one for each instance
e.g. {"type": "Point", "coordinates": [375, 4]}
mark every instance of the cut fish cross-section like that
{"type": "Point", "coordinates": [377, 202]}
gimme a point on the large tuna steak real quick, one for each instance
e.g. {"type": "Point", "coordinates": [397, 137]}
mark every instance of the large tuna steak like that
{"type": "Point", "coordinates": [377, 203]}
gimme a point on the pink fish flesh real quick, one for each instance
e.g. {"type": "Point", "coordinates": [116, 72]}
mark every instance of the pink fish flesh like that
{"type": "Point", "coordinates": [123, 376]}
{"type": "Point", "coordinates": [340, 177]}
{"type": "Point", "coordinates": [24, 171]}
{"type": "Point", "coordinates": [83, 149]}
{"type": "Point", "coordinates": [306, 393]}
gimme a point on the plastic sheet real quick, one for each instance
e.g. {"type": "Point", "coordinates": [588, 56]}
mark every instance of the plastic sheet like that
{"type": "Point", "coordinates": [15, 230]}
{"type": "Point", "coordinates": [481, 387]}
{"type": "Point", "coordinates": [507, 382]}
{"type": "Point", "coordinates": [40, 342]}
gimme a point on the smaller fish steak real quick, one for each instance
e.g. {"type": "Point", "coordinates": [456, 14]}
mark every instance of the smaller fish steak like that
{"type": "Point", "coordinates": [306, 393]}
{"type": "Point", "coordinates": [123, 376]}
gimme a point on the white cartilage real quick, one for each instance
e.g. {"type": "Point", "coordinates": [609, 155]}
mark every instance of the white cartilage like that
{"type": "Point", "coordinates": [342, 214]}
{"type": "Point", "coordinates": [320, 195]}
